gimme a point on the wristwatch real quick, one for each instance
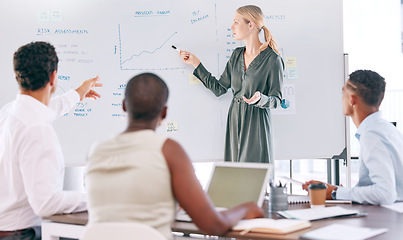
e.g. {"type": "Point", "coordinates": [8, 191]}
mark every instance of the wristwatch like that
{"type": "Point", "coordinates": [334, 194]}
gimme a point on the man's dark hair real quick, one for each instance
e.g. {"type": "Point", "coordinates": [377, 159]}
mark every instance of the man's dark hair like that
{"type": "Point", "coordinates": [33, 65]}
{"type": "Point", "coordinates": [145, 96]}
{"type": "Point", "coordinates": [369, 85]}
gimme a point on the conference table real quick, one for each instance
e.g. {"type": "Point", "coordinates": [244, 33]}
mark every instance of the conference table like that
{"type": "Point", "coordinates": [73, 225]}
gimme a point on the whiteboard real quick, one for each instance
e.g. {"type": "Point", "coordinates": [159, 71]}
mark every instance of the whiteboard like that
{"type": "Point", "coordinates": [119, 39]}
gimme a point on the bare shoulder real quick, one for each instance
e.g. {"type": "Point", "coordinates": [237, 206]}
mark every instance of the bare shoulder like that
{"type": "Point", "coordinates": [171, 147]}
{"type": "Point", "coordinates": [174, 153]}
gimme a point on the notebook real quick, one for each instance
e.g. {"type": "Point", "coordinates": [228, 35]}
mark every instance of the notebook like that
{"type": "Point", "coordinates": [296, 199]}
{"type": "Point", "coordinates": [272, 226]}
{"type": "Point", "coordinates": [231, 184]}
{"type": "Point", "coordinates": [312, 214]}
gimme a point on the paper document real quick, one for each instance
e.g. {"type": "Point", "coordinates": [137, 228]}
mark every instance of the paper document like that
{"type": "Point", "coordinates": [290, 180]}
{"type": "Point", "coordinates": [398, 207]}
{"type": "Point", "coordinates": [340, 231]}
{"type": "Point", "coordinates": [339, 202]}
{"type": "Point", "coordinates": [267, 225]}
{"type": "Point", "coordinates": [317, 213]}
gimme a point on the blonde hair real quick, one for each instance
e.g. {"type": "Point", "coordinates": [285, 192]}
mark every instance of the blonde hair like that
{"type": "Point", "coordinates": [252, 13]}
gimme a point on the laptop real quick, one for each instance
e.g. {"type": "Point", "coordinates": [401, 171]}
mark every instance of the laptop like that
{"type": "Point", "coordinates": [231, 184]}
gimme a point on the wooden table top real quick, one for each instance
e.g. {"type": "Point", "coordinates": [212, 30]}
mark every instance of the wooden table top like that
{"type": "Point", "coordinates": [378, 217]}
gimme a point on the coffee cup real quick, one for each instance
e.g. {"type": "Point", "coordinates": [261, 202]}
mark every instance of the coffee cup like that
{"type": "Point", "coordinates": [317, 193]}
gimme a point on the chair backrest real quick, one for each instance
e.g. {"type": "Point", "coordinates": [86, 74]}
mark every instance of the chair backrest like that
{"type": "Point", "coordinates": [121, 231]}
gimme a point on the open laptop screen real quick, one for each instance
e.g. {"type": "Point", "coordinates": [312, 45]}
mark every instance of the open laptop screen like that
{"type": "Point", "coordinates": [235, 183]}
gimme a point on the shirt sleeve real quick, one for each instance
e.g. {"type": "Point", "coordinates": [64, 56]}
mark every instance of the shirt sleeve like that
{"type": "Point", "coordinates": [275, 83]}
{"type": "Point", "coordinates": [218, 87]}
{"type": "Point", "coordinates": [42, 169]}
{"type": "Point", "coordinates": [382, 186]}
{"type": "Point", "coordinates": [63, 103]}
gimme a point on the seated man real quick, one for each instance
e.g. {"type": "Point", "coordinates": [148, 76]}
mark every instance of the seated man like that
{"type": "Point", "coordinates": [137, 175]}
{"type": "Point", "coordinates": [381, 144]}
{"type": "Point", "coordinates": [31, 159]}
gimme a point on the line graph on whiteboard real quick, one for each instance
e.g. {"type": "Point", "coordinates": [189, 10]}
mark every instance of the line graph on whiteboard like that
{"type": "Point", "coordinates": [147, 52]}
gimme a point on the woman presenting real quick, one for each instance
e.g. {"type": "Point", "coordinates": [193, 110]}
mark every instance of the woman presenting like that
{"type": "Point", "coordinates": [255, 75]}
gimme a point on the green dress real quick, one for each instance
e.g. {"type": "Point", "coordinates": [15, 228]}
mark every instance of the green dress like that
{"type": "Point", "coordinates": [249, 133]}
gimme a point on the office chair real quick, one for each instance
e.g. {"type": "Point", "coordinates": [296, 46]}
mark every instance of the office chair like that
{"type": "Point", "coordinates": [121, 231]}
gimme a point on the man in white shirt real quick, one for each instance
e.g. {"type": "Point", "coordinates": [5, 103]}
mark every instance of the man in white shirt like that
{"type": "Point", "coordinates": [381, 144]}
{"type": "Point", "coordinates": [31, 159]}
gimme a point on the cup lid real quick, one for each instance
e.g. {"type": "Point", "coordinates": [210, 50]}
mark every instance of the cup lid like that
{"type": "Point", "coordinates": [317, 186]}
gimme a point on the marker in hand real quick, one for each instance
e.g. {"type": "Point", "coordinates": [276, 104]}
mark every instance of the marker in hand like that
{"type": "Point", "coordinates": [175, 48]}
{"type": "Point", "coordinates": [185, 57]}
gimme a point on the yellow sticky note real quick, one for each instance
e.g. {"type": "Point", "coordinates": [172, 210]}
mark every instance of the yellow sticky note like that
{"type": "Point", "coordinates": [172, 127]}
{"type": "Point", "coordinates": [291, 62]}
{"type": "Point", "coordinates": [193, 80]}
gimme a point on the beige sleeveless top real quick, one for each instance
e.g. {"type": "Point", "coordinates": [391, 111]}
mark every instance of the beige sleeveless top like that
{"type": "Point", "coordinates": [128, 180]}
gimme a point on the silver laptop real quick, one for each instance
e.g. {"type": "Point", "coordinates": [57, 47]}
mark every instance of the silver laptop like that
{"type": "Point", "coordinates": [231, 184]}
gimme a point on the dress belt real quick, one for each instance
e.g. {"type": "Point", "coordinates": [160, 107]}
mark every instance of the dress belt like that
{"type": "Point", "coordinates": [238, 100]}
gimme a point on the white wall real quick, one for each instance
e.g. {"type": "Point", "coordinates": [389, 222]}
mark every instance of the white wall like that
{"type": "Point", "coordinates": [372, 38]}
{"type": "Point", "coordinates": [401, 23]}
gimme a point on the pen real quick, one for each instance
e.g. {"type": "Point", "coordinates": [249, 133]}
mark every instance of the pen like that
{"type": "Point", "coordinates": [173, 46]}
